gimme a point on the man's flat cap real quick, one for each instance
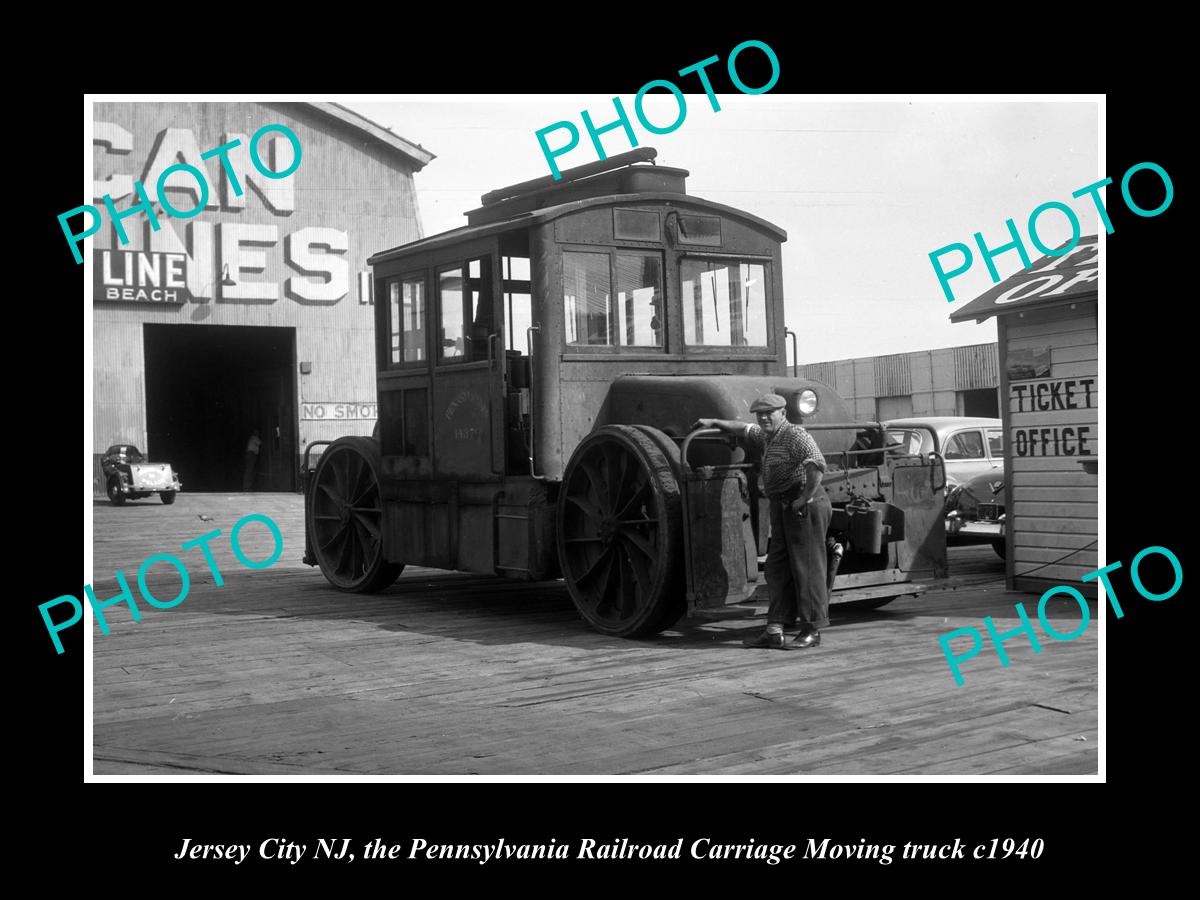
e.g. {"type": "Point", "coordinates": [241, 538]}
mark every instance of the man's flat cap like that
{"type": "Point", "coordinates": [767, 402]}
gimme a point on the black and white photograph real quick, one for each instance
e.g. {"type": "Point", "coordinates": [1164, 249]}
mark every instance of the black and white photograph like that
{"type": "Point", "coordinates": [693, 434]}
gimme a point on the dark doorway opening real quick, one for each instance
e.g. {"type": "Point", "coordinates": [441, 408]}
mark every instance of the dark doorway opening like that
{"type": "Point", "coordinates": [981, 402]}
{"type": "Point", "coordinates": [207, 388]}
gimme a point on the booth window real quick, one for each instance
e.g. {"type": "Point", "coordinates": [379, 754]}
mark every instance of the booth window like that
{"type": "Point", "coordinates": [724, 302]}
{"type": "Point", "coordinates": [465, 315]}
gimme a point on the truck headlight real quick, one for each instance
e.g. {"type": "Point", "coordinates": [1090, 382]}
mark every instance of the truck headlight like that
{"type": "Point", "coordinates": [806, 402]}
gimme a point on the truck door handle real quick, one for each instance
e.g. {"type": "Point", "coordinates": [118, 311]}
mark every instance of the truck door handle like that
{"type": "Point", "coordinates": [491, 338]}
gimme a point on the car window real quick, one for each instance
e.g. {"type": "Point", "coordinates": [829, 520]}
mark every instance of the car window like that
{"type": "Point", "coordinates": [905, 441]}
{"type": "Point", "coordinates": [995, 442]}
{"type": "Point", "coordinates": [965, 445]}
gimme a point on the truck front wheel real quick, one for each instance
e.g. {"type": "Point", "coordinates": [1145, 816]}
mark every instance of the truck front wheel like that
{"type": "Point", "coordinates": [345, 517]}
{"type": "Point", "coordinates": [620, 540]}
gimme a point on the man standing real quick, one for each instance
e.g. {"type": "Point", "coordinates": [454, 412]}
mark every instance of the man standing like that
{"type": "Point", "coordinates": [252, 447]}
{"type": "Point", "coordinates": [792, 467]}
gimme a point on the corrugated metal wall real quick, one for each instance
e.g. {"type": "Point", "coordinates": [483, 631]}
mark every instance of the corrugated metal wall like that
{"type": "Point", "coordinates": [931, 378]}
{"type": "Point", "coordinates": [825, 371]}
{"type": "Point", "coordinates": [345, 185]}
{"type": "Point", "coordinates": [976, 366]}
{"type": "Point", "coordinates": [892, 375]}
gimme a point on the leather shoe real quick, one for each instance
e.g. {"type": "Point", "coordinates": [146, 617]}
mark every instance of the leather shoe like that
{"type": "Point", "coordinates": [765, 639]}
{"type": "Point", "coordinates": [805, 640]}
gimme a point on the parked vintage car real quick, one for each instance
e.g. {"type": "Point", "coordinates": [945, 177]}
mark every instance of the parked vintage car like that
{"type": "Point", "coordinates": [973, 449]}
{"type": "Point", "coordinates": [975, 511]}
{"type": "Point", "coordinates": [970, 445]}
{"type": "Point", "coordinates": [129, 476]}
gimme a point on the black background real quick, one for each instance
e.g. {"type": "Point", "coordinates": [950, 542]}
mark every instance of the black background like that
{"type": "Point", "coordinates": [128, 831]}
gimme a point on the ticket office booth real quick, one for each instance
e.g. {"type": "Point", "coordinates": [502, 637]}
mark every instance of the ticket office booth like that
{"type": "Point", "coordinates": [1047, 324]}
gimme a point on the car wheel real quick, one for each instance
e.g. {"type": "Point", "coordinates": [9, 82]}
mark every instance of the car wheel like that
{"type": "Point", "coordinates": [114, 492]}
{"type": "Point", "coordinates": [168, 497]}
{"type": "Point", "coordinates": [998, 546]}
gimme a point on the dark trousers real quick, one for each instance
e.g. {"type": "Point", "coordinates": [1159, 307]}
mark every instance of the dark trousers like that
{"type": "Point", "coordinates": [248, 474]}
{"type": "Point", "coordinates": [796, 562]}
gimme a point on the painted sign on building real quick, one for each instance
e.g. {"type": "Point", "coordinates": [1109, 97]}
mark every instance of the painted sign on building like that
{"type": "Point", "coordinates": [125, 276]}
{"type": "Point", "coordinates": [1053, 417]}
{"type": "Point", "coordinates": [319, 411]}
{"type": "Point", "coordinates": [234, 261]}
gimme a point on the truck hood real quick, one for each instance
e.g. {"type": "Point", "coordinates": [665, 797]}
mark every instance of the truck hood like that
{"type": "Point", "coordinates": [672, 403]}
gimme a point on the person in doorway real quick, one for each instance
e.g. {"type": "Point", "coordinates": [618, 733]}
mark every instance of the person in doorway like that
{"type": "Point", "coordinates": [252, 447]}
{"type": "Point", "coordinates": [792, 467]}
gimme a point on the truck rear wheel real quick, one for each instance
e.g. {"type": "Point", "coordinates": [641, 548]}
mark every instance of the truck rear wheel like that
{"type": "Point", "coordinates": [620, 540]}
{"type": "Point", "coordinates": [345, 517]}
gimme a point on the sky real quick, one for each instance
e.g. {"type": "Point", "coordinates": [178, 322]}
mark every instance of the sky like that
{"type": "Point", "coordinates": [865, 190]}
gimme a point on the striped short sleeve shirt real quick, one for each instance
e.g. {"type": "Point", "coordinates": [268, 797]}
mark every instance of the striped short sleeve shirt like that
{"type": "Point", "coordinates": [784, 455]}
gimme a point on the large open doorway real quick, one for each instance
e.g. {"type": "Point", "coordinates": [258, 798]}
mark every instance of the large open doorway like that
{"type": "Point", "coordinates": [982, 402]}
{"type": "Point", "coordinates": [207, 388]}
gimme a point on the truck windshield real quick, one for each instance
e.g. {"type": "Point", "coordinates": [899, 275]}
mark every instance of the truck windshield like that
{"type": "Point", "coordinates": [591, 315]}
{"type": "Point", "coordinates": [724, 303]}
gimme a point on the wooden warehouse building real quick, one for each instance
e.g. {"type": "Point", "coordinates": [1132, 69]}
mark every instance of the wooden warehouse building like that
{"type": "Point", "coordinates": [1050, 390]}
{"type": "Point", "coordinates": [256, 312]}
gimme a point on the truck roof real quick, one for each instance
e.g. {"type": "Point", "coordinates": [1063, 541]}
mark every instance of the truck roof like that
{"type": "Point", "coordinates": [525, 220]}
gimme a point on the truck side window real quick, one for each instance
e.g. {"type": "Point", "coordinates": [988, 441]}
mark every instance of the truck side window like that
{"type": "Point", "coordinates": [518, 303]}
{"type": "Point", "coordinates": [451, 341]}
{"type": "Point", "coordinates": [465, 311]}
{"type": "Point", "coordinates": [587, 298]}
{"type": "Point", "coordinates": [406, 320]}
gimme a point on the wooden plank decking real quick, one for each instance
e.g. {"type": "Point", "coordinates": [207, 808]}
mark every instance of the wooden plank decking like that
{"type": "Point", "coordinates": [277, 673]}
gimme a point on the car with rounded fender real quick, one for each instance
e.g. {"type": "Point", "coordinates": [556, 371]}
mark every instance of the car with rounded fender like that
{"type": "Point", "coordinates": [969, 445]}
{"type": "Point", "coordinates": [973, 450]}
{"type": "Point", "coordinates": [128, 475]}
{"type": "Point", "coordinates": [976, 512]}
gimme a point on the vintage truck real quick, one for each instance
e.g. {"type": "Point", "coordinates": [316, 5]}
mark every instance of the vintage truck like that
{"type": "Point", "coordinates": [538, 371]}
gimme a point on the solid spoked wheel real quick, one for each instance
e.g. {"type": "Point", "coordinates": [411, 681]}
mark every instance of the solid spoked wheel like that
{"type": "Point", "coordinates": [620, 532]}
{"type": "Point", "coordinates": [345, 517]}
